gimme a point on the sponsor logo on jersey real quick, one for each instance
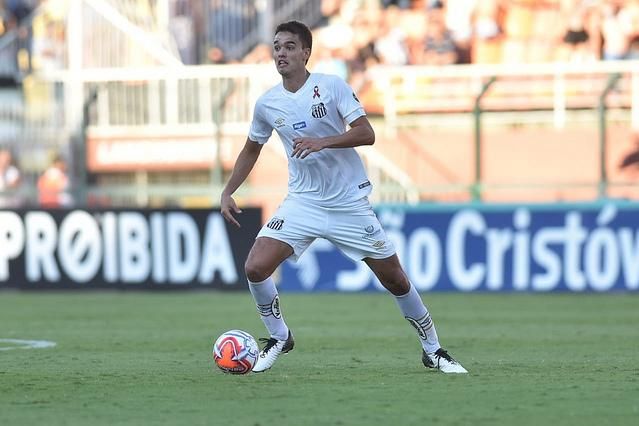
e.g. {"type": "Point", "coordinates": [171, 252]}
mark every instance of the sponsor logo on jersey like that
{"type": "Point", "coordinates": [299, 125]}
{"type": "Point", "coordinates": [275, 224]}
{"type": "Point", "coordinates": [280, 122]}
{"type": "Point", "coordinates": [318, 110]}
{"type": "Point", "coordinates": [364, 185]}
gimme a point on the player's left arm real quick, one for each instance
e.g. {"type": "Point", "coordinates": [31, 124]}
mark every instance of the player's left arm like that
{"type": "Point", "coordinates": [360, 133]}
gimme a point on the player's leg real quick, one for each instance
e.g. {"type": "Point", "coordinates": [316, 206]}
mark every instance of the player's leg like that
{"type": "Point", "coordinates": [359, 234]}
{"type": "Point", "coordinates": [392, 276]}
{"type": "Point", "coordinates": [287, 234]}
{"type": "Point", "coordinates": [265, 256]}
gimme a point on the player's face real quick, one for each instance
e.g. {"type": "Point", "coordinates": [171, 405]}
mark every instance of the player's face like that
{"type": "Point", "coordinates": [289, 55]}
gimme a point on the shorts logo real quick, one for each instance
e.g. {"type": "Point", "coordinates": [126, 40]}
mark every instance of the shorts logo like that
{"type": "Point", "coordinates": [379, 244]}
{"type": "Point", "coordinates": [299, 125]}
{"type": "Point", "coordinates": [369, 229]}
{"type": "Point", "coordinates": [318, 110]}
{"type": "Point", "coordinates": [364, 185]}
{"type": "Point", "coordinates": [275, 224]}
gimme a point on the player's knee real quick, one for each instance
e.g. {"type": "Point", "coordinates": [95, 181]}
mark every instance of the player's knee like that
{"type": "Point", "coordinates": [397, 284]}
{"type": "Point", "coordinates": [254, 272]}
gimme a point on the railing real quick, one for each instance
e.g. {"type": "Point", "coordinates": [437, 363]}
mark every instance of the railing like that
{"type": "Point", "coordinates": [214, 103]}
{"type": "Point", "coordinates": [397, 92]}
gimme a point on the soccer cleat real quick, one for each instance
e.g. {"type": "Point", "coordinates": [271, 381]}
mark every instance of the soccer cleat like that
{"type": "Point", "coordinates": [272, 349]}
{"type": "Point", "coordinates": [442, 361]}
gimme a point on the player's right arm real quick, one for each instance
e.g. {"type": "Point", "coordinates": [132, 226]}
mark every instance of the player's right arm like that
{"type": "Point", "coordinates": [243, 166]}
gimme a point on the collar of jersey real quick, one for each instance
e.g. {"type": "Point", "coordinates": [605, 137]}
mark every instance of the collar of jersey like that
{"type": "Point", "coordinates": [300, 90]}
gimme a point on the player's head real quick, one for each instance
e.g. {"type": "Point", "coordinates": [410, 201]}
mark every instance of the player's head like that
{"type": "Point", "coordinates": [292, 47]}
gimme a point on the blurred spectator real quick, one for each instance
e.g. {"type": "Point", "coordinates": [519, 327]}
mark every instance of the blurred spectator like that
{"type": "Point", "coordinates": [459, 15]}
{"type": "Point", "coordinates": [229, 23]}
{"type": "Point", "coordinates": [48, 47]}
{"type": "Point", "coordinates": [9, 179]}
{"type": "Point", "coordinates": [486, 20]}
{"type": "Point", "coordinates": [182, 28]}
{"type": "Point", "coordinates": [616, 31]}
{"type": "Point", "coordinates": [18, 12]}
{"type": "Point", "coordinates": [390, 45]}
{"type": "Point", "coordinates": [54, 186]}
{"type": "Point", "coordinates": [439, 47]}
{"type": "Point", "coordinates": [575, 46]}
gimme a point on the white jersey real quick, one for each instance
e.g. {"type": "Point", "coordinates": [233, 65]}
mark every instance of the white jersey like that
{"type": "Point", "coordinates": [321, 107]}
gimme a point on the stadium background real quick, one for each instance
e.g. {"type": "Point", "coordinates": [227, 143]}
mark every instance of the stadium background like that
{"type": "Point", "coordinates": [528, 107]}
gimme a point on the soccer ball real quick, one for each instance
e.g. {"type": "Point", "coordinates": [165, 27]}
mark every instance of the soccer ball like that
{"type": "Point", "coordinates": [235, 352]}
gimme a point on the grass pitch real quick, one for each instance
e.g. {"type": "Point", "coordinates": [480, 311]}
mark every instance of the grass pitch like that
{"type": "Point", "coordinates": [144, 358]}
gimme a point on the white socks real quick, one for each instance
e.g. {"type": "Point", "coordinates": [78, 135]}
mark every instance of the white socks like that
{"type": "Point", "coordinates": [418, 316]}
{"type": "Point", "coordinates": [268, 305]}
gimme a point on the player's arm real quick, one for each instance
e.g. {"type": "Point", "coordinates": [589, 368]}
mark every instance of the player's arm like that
{"type": "Point", "coordinates": [360, 133]}
{"type": "Point", "coordinates": [243, 166]}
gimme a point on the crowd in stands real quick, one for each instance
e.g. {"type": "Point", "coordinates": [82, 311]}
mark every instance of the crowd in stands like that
{"type": "Point", "coordinates": [442, 32]}
{"type": "Point", "coordinates": [353, 34]}
{"type": "Point", "coordinates": [358, 33]}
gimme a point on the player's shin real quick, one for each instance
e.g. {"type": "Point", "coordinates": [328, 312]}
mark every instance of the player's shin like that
{"type": "Point", "coordinates": [417, 314]}
{"type": "Point", "coordinates": [268, 305]}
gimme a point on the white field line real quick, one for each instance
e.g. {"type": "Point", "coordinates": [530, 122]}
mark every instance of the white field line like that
{"type": "Point", "coordinates": [25, 344]}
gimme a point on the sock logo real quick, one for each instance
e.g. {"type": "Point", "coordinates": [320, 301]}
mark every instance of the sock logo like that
{"type": "Point", "coordinates": [275, 307]}
{"type": "Point", "coordinates": [272, 308]}
{"type": "Point", "coordinates": [422, 325]}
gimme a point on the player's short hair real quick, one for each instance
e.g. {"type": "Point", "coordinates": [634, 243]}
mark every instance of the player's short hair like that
{"type": "Point", "coordinates": [296, 27]}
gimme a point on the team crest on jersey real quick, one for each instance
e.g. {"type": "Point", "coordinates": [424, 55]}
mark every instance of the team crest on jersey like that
{"type": "Point", "coordinates": [318, 110]}
{"type": "Point", "coordinates": [275, 224]}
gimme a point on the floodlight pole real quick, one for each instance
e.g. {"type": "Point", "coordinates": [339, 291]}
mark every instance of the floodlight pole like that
{"type": "Point", "coordinates": [476, 187]}
{"type": "Point", "coordinates": [603, 175]}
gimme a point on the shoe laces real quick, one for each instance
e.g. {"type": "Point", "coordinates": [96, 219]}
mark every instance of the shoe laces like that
{"type": "Point", "coordinates": [441, 353]}
{"type": "Point", "coordinates": [268, 343]}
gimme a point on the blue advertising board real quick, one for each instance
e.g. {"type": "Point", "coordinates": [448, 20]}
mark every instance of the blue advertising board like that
{"type": "Point", "coordinates": [490, 248]}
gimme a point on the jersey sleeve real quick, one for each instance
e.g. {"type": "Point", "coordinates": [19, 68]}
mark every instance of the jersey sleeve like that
{"type": "Point", "coordinates": [260, 130]}
{"type": "Point", "coordinates": [347, 103]}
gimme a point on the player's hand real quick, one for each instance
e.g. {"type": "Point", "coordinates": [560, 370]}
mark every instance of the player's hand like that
{"type": "Point", "coordinates": [228, 207]}
{"type": "Point", "coordinates": [304, 146]}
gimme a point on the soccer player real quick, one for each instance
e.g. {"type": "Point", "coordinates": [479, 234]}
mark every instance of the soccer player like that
{"type": "Point", "coordinates": [327, 193]}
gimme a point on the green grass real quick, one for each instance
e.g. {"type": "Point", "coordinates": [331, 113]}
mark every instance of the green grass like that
{"type": "Point", "coordinates": [142, 358]}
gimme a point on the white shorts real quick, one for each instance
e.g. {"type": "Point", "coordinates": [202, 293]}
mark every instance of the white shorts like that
{"type": "Point", "coordinates": [355, 229]}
